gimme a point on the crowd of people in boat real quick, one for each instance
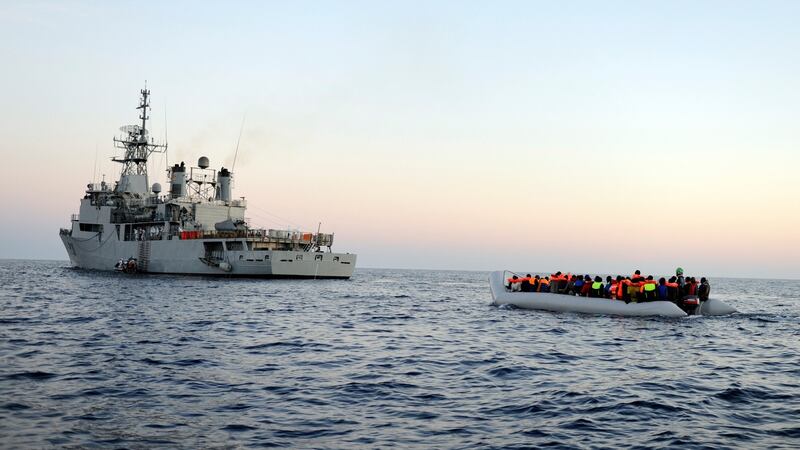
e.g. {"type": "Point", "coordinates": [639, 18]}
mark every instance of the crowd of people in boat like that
{"type": "Point", "coordinates": [634, 288]}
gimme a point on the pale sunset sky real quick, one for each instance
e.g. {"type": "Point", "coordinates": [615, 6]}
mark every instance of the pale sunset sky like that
{"type": "Point", "coordinates": [597, 136]}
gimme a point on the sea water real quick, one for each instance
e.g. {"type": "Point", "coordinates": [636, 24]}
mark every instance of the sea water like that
{"type": "Point", "coordinates": [390, 358]}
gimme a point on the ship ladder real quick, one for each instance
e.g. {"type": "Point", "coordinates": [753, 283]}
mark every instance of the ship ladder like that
{"type": "Point", "coordinates": [144, 256]}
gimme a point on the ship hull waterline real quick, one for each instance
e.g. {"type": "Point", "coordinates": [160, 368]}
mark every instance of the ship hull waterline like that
{"type": "Point", "coordinates": [188, 257]}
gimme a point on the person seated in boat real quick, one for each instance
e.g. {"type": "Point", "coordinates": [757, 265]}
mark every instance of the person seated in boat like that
{"type": "Point", "coordinates": [633, 289]}
{"type": "Point", "coordinates": [525, 284]}
{"type": "Point", "coordinates": [662, 292]}
{"type": "Point", "coordinates": [615, 288]}
{"type": "Point", "coordinates": [587, 285]}
{"type": "Point", "coordinates": [569, 285]}
{"type": "Point", "coordinates": [673, 290]}
{"type": "Point", "coordinates": [597, 290]}
{"type": "Point", "coordinates": [692, 286]}
{"type": "Point", "coordinates": [637, 274]}
{"type": "Point", "coordinates": [610, 288]}
{"type": "Point", "coordinates": [577, 286]}
{"type": "Point", "coordinates": [535, 283]}
{"type": "Point", "coordinates": [513, 283]}
{"type": "Point", "coordinates": [704, 289]}
{"type": "Point", "coordinates": [555, 278]}
{"type": "Point", "coordinates": [563, 280]}
{"type": "Point", "coordinates": [648, 289]}
{"type": "Point", "coordinates": [544, 284]}
{"type": "Point", "coordinates": [621, 288]}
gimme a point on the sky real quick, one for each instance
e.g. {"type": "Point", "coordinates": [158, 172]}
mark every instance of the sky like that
{"type": "Point", "coordinates": [593, 137]}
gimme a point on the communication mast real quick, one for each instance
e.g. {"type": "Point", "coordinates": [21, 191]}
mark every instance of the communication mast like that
{"type": "Point", "coordinates": [136, 143]}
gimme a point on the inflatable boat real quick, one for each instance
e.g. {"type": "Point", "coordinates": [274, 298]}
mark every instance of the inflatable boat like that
{"type": "Point", "coordinates": [502, 295]}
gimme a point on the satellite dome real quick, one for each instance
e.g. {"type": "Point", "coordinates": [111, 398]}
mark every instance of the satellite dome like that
{"type": "Point", "coordinates": [156, 188]}
{"type": "Point", "coordinates": [202, 162]}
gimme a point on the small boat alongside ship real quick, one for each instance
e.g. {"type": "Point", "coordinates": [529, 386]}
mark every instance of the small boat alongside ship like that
{"type": "Point", "coordinates": [197, 228]}
{"type": "Point", "coordinates": [503, 295]}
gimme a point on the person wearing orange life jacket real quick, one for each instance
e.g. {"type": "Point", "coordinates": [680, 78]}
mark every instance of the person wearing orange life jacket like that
{"type": "Point", "coordinates": [636, 274]}
{"type": "Point", "coordinates": [511, 279]}
{"type": "Point", "coordinates": [648, 289]}
{"type": "Point", "coordinates": [633, 288]}
{"type": "Point", "coordinates": [544, 284]}
{"type": "Point", "coordinates": [622, 289]}
{"type": "Point", "coordinates": [562, 284]}
{"type": "Point", "coordinates": [555, 278]}
{"type": "Point", "coordinates": [596, 289]}
{"type": "Point", "coordinates": [513, 283]}
{"type": "Point", "coordinates": [616, 288]}
{"type": "Point", "coordinates": [535, 284]}
{"type": "Point", "coordinates": [525, 284]}
{"type": "Point", "coordinates": [673, 290]}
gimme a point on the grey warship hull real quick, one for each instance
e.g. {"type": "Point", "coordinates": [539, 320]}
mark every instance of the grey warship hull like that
{"type": "Point", "coordinates": [189, 257]}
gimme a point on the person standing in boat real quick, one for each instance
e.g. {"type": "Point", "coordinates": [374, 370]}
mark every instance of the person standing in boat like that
{"type": "Point", "coordinates": [680, 280]}
{"type": "Point", "coordinates": [704, 289]}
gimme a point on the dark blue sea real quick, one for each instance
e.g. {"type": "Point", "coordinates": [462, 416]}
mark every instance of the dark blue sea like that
{"type": "Point", "coordinates": [390, 358]}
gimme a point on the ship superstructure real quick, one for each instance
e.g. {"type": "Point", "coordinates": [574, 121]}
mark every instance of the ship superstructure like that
{"type": "Point", "coordinates": [194, 228]}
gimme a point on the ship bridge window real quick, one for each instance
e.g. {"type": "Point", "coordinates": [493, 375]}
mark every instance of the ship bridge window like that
{"type": "Point", "coordinates": [234, 246]}
{"type": "Point", "coordinates": [93, 227]}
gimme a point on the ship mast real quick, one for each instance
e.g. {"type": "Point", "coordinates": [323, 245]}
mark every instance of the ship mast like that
{"type": "Point", "coordinates": [136, 143]}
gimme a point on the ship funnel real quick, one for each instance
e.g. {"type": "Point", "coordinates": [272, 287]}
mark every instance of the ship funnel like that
{"type": "Point", "coordinates": [178, 182]}
{"type": "Point", "coordinates": [224, 185]}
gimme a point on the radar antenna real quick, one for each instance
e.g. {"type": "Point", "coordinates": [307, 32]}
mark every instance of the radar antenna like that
{"type": "Point", "coordinates": [136, 143]}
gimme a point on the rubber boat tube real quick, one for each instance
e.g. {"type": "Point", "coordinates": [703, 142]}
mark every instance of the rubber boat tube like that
{"type": "Point", "coordinates": [714, 307]}
{"type": "Point", "coordinates": [566, 303]}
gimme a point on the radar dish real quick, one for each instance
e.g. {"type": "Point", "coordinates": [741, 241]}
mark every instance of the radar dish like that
{"type": "Point", "coordinates": [132, 129]}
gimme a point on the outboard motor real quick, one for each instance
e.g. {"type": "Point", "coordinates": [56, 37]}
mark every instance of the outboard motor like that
{"type": "Point", "coordinates": [690, 304]}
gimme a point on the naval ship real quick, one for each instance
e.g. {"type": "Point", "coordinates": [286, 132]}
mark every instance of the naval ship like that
{"type": "Point", "coordinates": [196, 228]}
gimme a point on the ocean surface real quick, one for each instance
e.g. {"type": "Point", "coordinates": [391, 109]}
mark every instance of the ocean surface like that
{"type": "Point", "coordinates": [390, 358]}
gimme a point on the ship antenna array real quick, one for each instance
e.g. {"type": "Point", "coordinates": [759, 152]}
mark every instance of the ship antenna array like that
{"type": "Point", "coordinates": [235, 155]}
{"type": "Point", "coordinates": [137, 145]}
{"type": "Point", "coordinates": [166, 137]}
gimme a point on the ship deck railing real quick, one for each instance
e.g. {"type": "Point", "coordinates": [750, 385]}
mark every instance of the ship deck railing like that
{"type": "Point", "coordinates": [259, 236]}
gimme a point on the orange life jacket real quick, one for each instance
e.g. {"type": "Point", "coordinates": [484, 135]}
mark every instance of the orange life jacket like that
{"type": "Point", "coordinates": [621, 288]}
